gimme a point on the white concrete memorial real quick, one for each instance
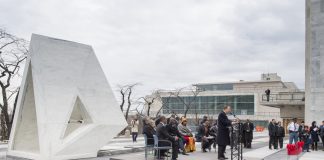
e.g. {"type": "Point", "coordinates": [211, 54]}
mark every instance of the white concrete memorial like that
{"type": "Point", "coordinates": [314, 77]}
{"type": "Point", "coordinates": [66, 108]}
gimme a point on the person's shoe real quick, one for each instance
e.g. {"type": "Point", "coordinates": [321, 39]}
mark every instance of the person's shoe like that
{"type": "Point", "coordinates": [166, 155]}
{"type": "Point", "coordinates": [308, 151]}
{"type": "Point", "coordinates": [225, 158]}
{"type": "Point", "coordinates": [184, 153]}
{"type": "Point", "coordinates": [204, 151]}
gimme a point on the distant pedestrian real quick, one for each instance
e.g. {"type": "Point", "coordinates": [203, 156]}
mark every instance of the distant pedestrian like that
{"type": "Point", "coordinates": [248, 130]}
{"type": "Point", "coordinates": [322, 133]}
{"type": "Point", "coordinates": [134, 129]}
{"type": "Point", "coordinates": [276, 128]}
{"type": "Point", "coordinates": [268, 94]}
{"type": "Point", "coordinates": [280, 134]}
{"type": "Point", "coordinates": [314, 131]}
{"type": "Point", "coordinates": [300, 130]}
{"type": "Point", "coordinates": [272, 133]}
{"type": "Point", "coordinates": [306, 139]}
{"type": "Point", "coordinates": [293, 131]}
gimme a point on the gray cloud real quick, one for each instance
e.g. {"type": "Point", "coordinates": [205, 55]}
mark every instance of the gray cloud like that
{"type": "Point", "coordinates": [167, 44]}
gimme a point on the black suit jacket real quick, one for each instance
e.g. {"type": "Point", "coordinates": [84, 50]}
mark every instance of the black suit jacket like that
{"type": "Point", "coordinates": [162, 133]}
{"type": "Point", "coordinates": [149, 132]}
{"type": "Point", "coordinates": [248, 129]}
{"type": "Point", "coordinates": [223, 130]}
{"type": "Point", "coordinates": [272, 129]}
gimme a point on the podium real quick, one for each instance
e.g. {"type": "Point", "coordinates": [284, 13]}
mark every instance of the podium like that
{"type": "Point", "coordinates": [236, 141]}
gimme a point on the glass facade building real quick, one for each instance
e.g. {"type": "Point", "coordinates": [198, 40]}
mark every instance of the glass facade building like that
{"type": "Point", "coordinates": [241, 104]}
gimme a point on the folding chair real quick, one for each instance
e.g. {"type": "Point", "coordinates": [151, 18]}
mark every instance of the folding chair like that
{"type": "Point", "coordinates": [158, 148]}
{"type": "Point", "coordinates": [147, 146]}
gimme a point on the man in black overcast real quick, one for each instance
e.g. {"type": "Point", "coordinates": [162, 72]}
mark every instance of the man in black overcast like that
{"type": "Point", "coordinates": [223, 138]}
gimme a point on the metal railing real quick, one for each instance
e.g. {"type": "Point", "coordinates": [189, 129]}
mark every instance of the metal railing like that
{"type": "Point", "coordinates": [296, 96]}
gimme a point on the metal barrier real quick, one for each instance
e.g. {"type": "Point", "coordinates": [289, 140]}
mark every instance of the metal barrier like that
{"type": "Point", "coordinates": [284, 96]}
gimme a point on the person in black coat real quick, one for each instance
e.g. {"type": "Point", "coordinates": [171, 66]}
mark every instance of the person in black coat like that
{"type": "Point", "coordinates": [314, 131]}
{"type": "Point", "coordinates": [223, 138]}
{"type": "Point", "coordinates": [280, 134]}
{"type": "Point", "coordinates": [272, 133]}
{"type": "Point", "coordinates": [149, 131]}
{"type": "Point", "coordinates": [206, 142]}
{"type": "Point", "coordinates": [268, 94]}
{"type": "Point", "coordinates": [200, 128]}
{"type": "Point", "coordinates": [300, 130]}
{"type": "Point", "coordinates": [162, 134]}
{"type": "Point", "coordinates": [213, 132]}
{"type": "Point", "coordinates": [248, 132]}
{"type": "Point", "coordinates": [172, 129]}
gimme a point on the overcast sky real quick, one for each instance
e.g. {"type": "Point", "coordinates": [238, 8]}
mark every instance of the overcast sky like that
{"type": "Point", "coordinates": [168, 44]}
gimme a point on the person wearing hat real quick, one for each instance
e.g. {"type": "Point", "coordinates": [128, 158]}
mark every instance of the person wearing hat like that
{"type": "Point", "coordinates": [187, 134]}
{"type": "Point", "coordinates": [293, 131]}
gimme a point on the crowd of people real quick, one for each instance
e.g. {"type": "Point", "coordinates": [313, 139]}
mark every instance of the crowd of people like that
{"type": "Point", "coordinates": [310, 135]}
{"type": "Point", "coordinates": [175, 131]}
{"type": "Point", "coordinates": [183, 141]}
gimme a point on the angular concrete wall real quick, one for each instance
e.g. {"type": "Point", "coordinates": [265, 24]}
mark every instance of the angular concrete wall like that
{"type": "Point", "coordinates": [314, 89]}
{"type": "Point", "coordinates": [66, 108]}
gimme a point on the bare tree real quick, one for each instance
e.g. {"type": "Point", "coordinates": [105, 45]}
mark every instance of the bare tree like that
{"type": "Point", "coordinates": [188, 103]}
{"type": "Point", "coordinates": [165, 102]}
{"type": "Point", "coordinates": [126, 91]}
{"type": "Point", "coordinates": [13, 52]}
{"type": "Point", "coordinates": [140, 111]}
{"type": "Point", "coordinates": [148, 101]}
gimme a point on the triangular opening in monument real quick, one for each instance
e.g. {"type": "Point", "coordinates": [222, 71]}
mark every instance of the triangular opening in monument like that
{"type": "Point", "coordinates": [26, 133]}
{"type": "Point", "coordinates": [79, 117]}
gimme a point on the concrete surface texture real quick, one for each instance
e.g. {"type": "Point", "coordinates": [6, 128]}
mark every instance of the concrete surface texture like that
{"type": "Point", "coordinates": [66, 108]}
{"type": "Point", "coordinates": [314, 78]}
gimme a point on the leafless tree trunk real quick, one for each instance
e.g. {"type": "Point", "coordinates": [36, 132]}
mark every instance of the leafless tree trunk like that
{"type": "Point", "coordinates": [122, 92]}
{"type": "Point", "coordinates": [126, 90]}
{"type": "Point", "coordinates": [191, 102]}
{"type": "Point", "coordinates": [164, 103]}
{"type": "Point", "coordinates": [148, 101]}
{"type": "Point", "coordinates": [129, 104]}
{"type": "Point", "coordinates": [13, 52]}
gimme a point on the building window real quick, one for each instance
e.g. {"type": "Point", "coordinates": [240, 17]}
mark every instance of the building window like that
{"type": "Point", "coordinates": [210, 105]}
{"type": "Point", "coordinates": [215, 87]}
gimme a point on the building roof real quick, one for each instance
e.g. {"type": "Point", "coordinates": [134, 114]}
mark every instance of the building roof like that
{"type": "Point", "coordinates": [240, 82]}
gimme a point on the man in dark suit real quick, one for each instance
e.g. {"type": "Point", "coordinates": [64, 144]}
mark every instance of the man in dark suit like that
{"type": "Point", "coordinates": [280, 134]}
{"type": "Point", "coordinates": [272, 133]}
{"type": "Point", "coordinates": [223, 125]}
{"type": "Point", "coordinates": [248, 130]}
{"type": "Point", "coordinates": [162, 134]}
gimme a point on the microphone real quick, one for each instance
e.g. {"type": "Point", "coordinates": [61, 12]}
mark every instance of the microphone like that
{"type": "Point", "coordinates": [231, 113]}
